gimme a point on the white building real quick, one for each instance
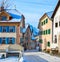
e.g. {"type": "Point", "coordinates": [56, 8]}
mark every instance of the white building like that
{"type": "Point", "coordinates": [56, 27]}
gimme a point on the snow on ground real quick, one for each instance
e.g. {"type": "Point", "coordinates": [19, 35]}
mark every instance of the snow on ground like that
{"type": "Point", "coordinates": [9, 59]}
{"type": "Point", "coordinates": [40, 57]}
{"type": "Point", "coordinates": [13, 59]}
{"type": "Point", "coordinates": [32, 56]}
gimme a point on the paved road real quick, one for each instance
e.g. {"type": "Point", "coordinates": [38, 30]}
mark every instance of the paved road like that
{"type": "Point", "coordinates": [40, 57]}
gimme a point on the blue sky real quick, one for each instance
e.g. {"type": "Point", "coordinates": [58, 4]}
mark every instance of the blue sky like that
{"type": "Point", "coordinates": [34, 9]}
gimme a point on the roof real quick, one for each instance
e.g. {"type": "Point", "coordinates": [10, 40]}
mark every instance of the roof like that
{"type": "Point", "coordinates": [49, 14]}
{"type": "Point", "coordinates": [33, 30]}
{"type": "Point", "coordinates": [23, 30]}
{"type": "Point", "coordinates": [33, 38]}
{"type": "Point", "coordinates": [15, 14]}
{"type": "Point", "coordinates": [58, 4]}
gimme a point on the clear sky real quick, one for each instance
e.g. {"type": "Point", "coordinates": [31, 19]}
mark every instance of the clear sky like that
{"type": "Point", "coordinates": [34, 9]}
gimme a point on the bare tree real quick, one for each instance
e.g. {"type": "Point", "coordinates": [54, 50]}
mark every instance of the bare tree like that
{"type": "Point", "coordinates": [6, 3]}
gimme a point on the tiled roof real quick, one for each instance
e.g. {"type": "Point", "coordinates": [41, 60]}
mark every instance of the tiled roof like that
{"type": "Point", "coordinates": [49, 14]}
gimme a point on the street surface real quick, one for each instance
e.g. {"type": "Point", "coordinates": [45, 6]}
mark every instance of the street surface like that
{"type": "Point", "coordinates": [31, 56]}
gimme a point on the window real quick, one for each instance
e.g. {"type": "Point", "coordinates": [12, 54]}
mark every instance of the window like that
{"type": "Point", "coordinates": [56, 24]}
{"type": "Point", "coordinates": [55, 39]}
{"type": "Point", "coordinates": [11, 28]}
{"type": "Point", "coordinates": [0, 40]}
{"type": "Point", "coordinates": [46, 20]}
{"type": "Point", "coordinates": [48, 44]}
{"type": "Point", "coordinates": [46, 31]}
{"type": "Point", "coordinates": [40, 41]}
{"type": "Point", "coordinates": [4, 29]}
{"type": "Point", "coordinates": [11, 40]}
{"type": "Point", "coordinates": [49, 31]}
{"type": "Point", "coordinates": [3, 40]}
{"type": "Point", "coordinates": [21, 40]}
{"type": "Point", "coordinates": [4, 18]}
{"type": "Point", "coordinates": [7, 28]}
{"type": "Point", "coordinates": [0, 28]}
{"type": "Point", "coordinates": [59, 23]}
{"type": "Point", "coordinates": [42, 23]}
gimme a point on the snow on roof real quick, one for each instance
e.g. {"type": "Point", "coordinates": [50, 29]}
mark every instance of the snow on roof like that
{"type": "Point", "coordinates": [34, 30]}
{"type": "Point", "coordinates": [15, 14]}
{"type": "Point", "coordinates": [13, 11]}
{"type": "Point", "coordinates": [13, 20]}
{"type": "Point", "coordinates": [33, 38]}
{"type": "Point", "coordinates": [31, 27]}
{"type": "Point", "coordinates": [49, 14]}
{"type": "Point", "coordinates": [23, 30]}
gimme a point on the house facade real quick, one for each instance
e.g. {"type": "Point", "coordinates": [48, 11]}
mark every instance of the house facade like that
{"type": "Point", "coordinates": [29, 38]}
{"type": "Point", "coordinates": [56, 27]}
{"type": "Point", "coordinates": [45, 26]}
{"type": "Point", "coordinates": [10, 22]}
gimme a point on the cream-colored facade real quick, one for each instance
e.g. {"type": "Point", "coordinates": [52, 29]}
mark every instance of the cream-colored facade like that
{"type": "Point", "coordinates": [45, 25]}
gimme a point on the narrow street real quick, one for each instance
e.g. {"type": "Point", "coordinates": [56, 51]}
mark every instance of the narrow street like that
{"type": "Point", "coordinates": [40, 57]}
